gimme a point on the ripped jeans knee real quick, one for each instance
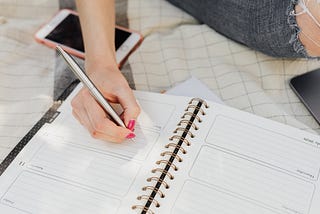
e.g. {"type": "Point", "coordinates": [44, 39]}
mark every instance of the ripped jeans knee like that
{"type": "Point", "coordinates": [304, 19]}
{"type": "Point", "coordinates": [277, 28]}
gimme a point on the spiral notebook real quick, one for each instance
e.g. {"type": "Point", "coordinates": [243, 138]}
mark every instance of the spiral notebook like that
{"type": "Point", "coordinates": [189, 156]}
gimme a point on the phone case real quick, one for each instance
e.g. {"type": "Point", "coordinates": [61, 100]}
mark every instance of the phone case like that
{"type": "Point", "coordinates": [75, 52]}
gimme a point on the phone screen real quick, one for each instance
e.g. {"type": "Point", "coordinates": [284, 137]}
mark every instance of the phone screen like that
{"type": "Point", "coordinates": [307, 87]}
{"type": "Point", "coordinates": [68, 33]}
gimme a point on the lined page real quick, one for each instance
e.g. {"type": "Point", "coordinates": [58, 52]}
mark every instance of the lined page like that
{"type": "Point", "coordinates": [34, 193]}
{"type": "Point", "coordinates": [240, 163]}
{"type": "Point", "coordinates": [267, 146]}
{"type": "Point", "coordinates": [63, 158]}
{"type": "Point", "coordinates": [85, 167]}
{"type": "Point", "coordinates": [198, 198]}
{"type": "Point", "coordinates": [252, 181]}
{"type": "Point", "coordinates": [236, 162]}
{"type": "Point", "coordinates": [150, 123]}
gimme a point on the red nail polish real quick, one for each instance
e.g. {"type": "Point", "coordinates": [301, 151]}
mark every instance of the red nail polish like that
{"type": "Point", "coordinates": [130, 135]}
{"type": "Point", "coordinates": [131, 125]}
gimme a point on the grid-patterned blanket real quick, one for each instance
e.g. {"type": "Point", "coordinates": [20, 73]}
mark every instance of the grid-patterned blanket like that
{"type": "Point", "coordinates": [175, 47]}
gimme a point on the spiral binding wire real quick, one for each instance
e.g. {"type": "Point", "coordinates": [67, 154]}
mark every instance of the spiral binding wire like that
{"type": "Point", "coordinates": [177, 142]}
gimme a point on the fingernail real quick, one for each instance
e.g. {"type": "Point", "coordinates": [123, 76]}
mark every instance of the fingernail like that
{"type": "Point", "coordinates": [131, 125]}
{"type": "Point", "coordinates": [130, 135]}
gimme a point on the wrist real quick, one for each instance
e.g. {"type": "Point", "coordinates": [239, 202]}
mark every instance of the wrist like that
{"type": "Point", "coordinates": [100, 64]}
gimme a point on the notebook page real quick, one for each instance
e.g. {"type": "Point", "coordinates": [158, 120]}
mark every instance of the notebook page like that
{"type": "Point", "coordinates": [154, 116]}
{"type": "Point", "coordinates": [72, 172]}
{"type": "Point", "coordinates": [240, 163]}
{"type": "Point", "coordinates": [229, 167]}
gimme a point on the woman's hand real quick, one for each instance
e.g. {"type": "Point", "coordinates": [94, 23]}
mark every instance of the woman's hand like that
{"type": "Point", "coordinates": [115, 89]}
{"type": "Point", "coordinates": [97, 19]}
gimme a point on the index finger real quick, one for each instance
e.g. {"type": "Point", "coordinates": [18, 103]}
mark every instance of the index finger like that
{"type": "Point", "coordinates": [131, 109]}
{"type": "Point", "coordinates": [100, 123]}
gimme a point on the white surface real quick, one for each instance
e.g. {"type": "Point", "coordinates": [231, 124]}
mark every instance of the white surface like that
{"type": "Point", "coordinates": [194, 88]}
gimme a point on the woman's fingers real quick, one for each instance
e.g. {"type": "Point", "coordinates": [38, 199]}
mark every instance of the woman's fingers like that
{"type": "Point", "coordinates": [101, 123]}
{"type": "Point", "coordinates": [94, 133]}
{"type": "Point", "coordinates": [116, 89]}
{"type": "Point", "coordinates": [89, 113]}
{"type": "Point", "coordinates": [131, 109]}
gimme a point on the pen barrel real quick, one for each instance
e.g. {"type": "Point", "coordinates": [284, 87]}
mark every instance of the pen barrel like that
{"type": "Point", "coordinates": [107, 107]}
{"type": "Point", "coordinates": [82, 76]}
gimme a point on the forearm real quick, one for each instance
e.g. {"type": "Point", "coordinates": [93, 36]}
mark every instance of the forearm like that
{"type": "Point", "coordinates": [97, 19]}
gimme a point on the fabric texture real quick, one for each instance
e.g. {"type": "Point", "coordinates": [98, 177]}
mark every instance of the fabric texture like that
{"type": "Point", "coordinates": [266, 26]}
{"type": "Point", "coordinates": [176, 46]}
{"type": "Point", "coordinates": [26, 69]}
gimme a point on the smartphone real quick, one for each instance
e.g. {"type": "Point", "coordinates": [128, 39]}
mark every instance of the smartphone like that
{"type": "Point", "coordinates": [307, 88]}
{"type": "Point", "coordinates": [64, 29]}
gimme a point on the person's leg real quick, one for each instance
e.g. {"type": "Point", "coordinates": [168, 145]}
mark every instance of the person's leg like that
{"type": "Point", "coordinates": [308, 19]}
{"type": "Point", "coordinates": [269, 26]}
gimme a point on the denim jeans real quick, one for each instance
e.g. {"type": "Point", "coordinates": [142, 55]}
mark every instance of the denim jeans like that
{"type": "Point", "coordinates": [264, 25]}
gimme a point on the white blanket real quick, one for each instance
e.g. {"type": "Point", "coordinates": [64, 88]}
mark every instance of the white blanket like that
{"type": "Point", "coordinates": [175, 47]}
{"type": "Point", "coordinates": [26, 69]}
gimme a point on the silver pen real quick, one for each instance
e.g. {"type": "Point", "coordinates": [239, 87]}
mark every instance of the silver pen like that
{"type": "Point", "coordinates": [89, 84]}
